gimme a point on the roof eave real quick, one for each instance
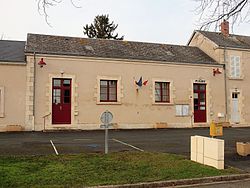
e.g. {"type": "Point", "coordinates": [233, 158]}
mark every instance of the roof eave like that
{"type": "Point", "coordinates": [192, 36]}
{"type": "Point", "coordinates": [126, 59]}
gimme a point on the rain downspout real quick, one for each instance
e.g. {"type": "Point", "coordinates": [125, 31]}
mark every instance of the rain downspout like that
{"type": "Point", "coordinates": [34, 92]}
{"type": "Point", "coordinates": [225, 82]}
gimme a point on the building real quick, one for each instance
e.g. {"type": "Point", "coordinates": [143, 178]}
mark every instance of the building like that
{"type": "Point", "coordinates": [67, 83]}
{"type": "Point", "coordinates": [12, 83]}
{"type": "Point", "coordinates": [232, 51]}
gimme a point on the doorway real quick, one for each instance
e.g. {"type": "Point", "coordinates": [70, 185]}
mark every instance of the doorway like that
{"type": "Point", "coordinates": [61, 101]}
{"type": "Point", "coordinates": [199, 96]}
{"type": "Point", "coordinates": [235, 116]}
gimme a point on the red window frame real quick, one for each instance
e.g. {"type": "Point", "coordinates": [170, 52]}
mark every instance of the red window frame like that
{"type": "Point", "coordinates": [163, 91]}
{"type": "Point", "coordinates": [108, 87]}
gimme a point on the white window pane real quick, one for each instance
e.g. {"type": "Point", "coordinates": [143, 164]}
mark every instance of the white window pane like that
{"type": "Point", "coordinates": [112, 97]}
{"type": "Point", "coordinates": [66, 82]}
{"type": "Point", "coordinates": [103, 90]}
{"type": "Point", "coordinates": [57, 82]}
{"type": "Point", "coordinates": [103, 97]}
{"type": "Point", "coordinates": [112, 90]}
{"type": "Point", "coordinates": [164, 98]}
{"type": "Point", "coordinates": [56, 100]}
{"type": "Point", "coordinates": [237, 59]}
{"type": "Point", "coordinates": [235, 66]}
{"type": "Point", "coordinates": [232, 59]}
{"type": "Point", "coordinates": [157, 95]}
{"type": "Point", "coordinates": [112, 83]}
{"type": "Point", "coordinates": [103, 83]}
{"type": "Point", "coordinates": [202, 108]}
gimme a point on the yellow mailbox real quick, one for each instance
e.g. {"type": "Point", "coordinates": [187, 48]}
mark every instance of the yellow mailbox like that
{"type": "Point", "coordinates": [216, 129]}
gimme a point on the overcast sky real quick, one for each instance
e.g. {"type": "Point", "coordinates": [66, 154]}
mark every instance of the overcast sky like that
{"type": "Point", "coordinates": [160, 21]}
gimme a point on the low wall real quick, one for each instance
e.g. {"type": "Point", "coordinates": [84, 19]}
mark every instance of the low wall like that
{"type": "Point", "coordinates": [207, 151]}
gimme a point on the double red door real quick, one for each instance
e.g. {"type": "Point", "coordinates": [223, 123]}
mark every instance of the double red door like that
{"type": "Point", "coordinates": [200, 111]}
{"type": "Point", "coordinates": [61, 101]}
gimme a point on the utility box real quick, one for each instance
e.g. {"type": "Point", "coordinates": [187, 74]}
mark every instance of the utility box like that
{"type": "Point", "coordinates": [243, 148]}
{"type": "Point", "coordinates": [216, 129]}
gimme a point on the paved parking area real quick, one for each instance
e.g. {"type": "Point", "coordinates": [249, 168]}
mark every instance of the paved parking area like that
{"type": "Point", "coordinates": [156, 140]}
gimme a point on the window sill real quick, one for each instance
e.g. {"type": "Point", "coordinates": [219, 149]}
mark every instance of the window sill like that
{"type": "Point", "coordinates": [231, 78]}
{"type": "Point", "coordinates": [108, 103]}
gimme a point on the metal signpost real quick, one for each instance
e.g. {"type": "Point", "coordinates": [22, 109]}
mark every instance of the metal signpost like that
{"type": "Point", "coordinates": [106, 119]}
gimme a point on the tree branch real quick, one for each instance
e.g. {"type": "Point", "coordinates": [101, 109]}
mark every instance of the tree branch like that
{"type": "Point", "coordinates": [214, 11]}
{"type": "Point", "coordinates": [44, 5]}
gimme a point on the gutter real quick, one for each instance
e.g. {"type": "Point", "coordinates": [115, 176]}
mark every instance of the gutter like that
{"type": "Point", "coordinates": [234, 48]}
{"type": "Point", "coordinates": [225, 83]}
{"type": "Point", "coordinates": [130, 61]}
{"type": "Point", "coordinates": [34, 92]}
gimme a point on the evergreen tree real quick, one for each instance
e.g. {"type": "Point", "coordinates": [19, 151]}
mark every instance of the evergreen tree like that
{"type": "Point", "coordinates": [102, 28]}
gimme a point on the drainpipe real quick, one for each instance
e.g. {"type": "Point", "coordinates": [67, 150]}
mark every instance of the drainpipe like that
{"type": "Point", "coordinates": [34, 92]}
{"type": "Point", "coordinates": [225, 83]}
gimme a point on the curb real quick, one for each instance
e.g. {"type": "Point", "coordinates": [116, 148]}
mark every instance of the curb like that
{"type": "Point", "coordinates": [182, 182]}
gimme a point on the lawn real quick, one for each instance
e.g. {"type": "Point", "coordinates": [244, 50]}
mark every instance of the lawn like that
{"type": "Point", "coordinates": [99, 169]}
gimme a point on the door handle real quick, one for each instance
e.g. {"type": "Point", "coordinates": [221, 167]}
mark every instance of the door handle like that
{"type": "Point", "coordinates": [60, 107]}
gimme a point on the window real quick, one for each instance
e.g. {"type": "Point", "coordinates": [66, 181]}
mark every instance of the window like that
{"type": "Point", "coordinates": [235, 66]}
{"type": "Point", "coordinates": [108, 90]}
{"type": "Point", "coordinates": [1, 101]}
{"type": "Point", "coordinates": [162, 94]}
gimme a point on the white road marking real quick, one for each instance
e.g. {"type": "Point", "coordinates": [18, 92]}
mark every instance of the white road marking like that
{"type": "Point", "coordinates": [127, 145]}
{"type": "Point", "coordinates": [54, 147]}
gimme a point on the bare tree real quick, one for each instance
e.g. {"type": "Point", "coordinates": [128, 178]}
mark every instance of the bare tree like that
{"type": "Point", "coordinates": [212, 12]}
{"type": "Point", "coordinates": [44, 5]}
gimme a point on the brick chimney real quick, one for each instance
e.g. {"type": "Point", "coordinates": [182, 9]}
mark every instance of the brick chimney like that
{"type": "Point", "coordinates": [224, 27]}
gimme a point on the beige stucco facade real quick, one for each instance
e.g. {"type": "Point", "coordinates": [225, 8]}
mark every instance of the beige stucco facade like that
{"type": "Point", "coordinates": [26, 97]}
{"type": "Point", "coordinates": [135, 107]}
{"type": "Point", "coordinates": [12, 94]}
{"type": "Point", "coordinates": [239, 85]}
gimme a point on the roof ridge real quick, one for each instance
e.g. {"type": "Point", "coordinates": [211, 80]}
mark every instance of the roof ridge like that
{"type": "Point", "coordinates": [120, 41]}
{"type": "Point", "coordinates": [230, 34]}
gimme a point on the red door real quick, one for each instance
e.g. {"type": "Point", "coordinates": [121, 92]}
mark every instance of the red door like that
{"type": "Point", "coordinates": [61, 101]}
{"type": "Point", "coordinates": [200, 112]}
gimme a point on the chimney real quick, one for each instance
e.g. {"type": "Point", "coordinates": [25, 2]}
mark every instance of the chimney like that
{"type": "Point", "coordinates": [224, 27]}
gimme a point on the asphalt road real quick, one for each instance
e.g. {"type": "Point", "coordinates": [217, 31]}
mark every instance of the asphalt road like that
{"type": "Point", "coordinates": [155, 140]}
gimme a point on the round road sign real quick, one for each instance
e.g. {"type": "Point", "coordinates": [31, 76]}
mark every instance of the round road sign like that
{"type": "Point", "coordinates": [106, 117]}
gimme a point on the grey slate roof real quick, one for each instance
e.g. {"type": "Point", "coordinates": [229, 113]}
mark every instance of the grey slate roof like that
{"type": "Point", "coordinates": [233, 41]}
{"type": "Point", "coordinates": [60, 45]}
{"type": "Point", "coordinates": [12, 51]}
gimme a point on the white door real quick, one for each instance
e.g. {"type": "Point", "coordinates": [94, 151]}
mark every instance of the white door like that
{"type": "Point", "coordinates": [235, 108]}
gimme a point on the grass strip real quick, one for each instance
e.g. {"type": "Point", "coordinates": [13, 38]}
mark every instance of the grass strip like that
{"type": "Point", "coordinates": [99, 169]}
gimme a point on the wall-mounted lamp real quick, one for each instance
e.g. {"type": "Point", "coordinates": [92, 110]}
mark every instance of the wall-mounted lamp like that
{"type": "Point", "coordinates": [216, 71]}
{"type": "Point", "coordinates": [41, 63]}
{"type": "Point", "coordinates": [62, 72]}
